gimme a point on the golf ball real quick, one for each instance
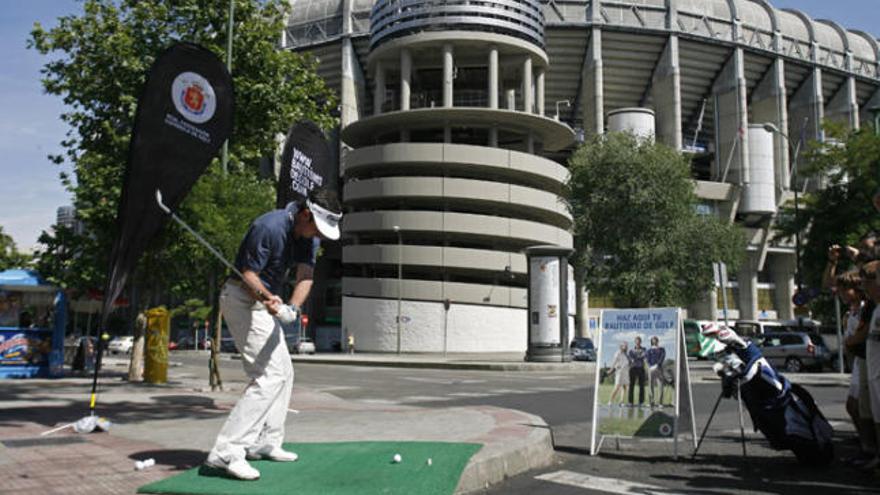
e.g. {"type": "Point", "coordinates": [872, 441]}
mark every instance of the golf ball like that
{"type": "Point", "coordinates": [429, 461]}
{"type": "Point", "coordinates": [397, 458]}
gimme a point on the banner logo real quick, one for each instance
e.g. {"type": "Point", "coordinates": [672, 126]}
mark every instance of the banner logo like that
{"type": "Point", "coordinates": [193, 97]}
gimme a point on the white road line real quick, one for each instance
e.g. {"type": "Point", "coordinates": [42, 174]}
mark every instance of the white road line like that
{"type": "Point", "coordinates": [469, 394]}
{"type": "Point", "coordinates": [424, 398]}
{"type": "Point", "coordinates": [381, 402]}
{"type": "Point", "coordinates": [607, 485]}
{"type": "Point", "coordinates": [549, 389]}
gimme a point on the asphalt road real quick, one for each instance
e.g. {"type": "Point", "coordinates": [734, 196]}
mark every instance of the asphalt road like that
{"type": "Point", "coordinates": [564, 401]}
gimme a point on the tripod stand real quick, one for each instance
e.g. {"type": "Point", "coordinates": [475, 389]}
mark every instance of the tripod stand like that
{"type": "Point", "coordinates": [726, 391]}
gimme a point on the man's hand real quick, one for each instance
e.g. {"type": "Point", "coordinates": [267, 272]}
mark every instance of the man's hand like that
{"type": "Point", "coordinates": [273, 304]}
{"type": "Point", "coordinates": [834, 253]}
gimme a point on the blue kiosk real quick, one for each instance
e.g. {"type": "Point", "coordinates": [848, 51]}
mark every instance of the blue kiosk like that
{"type": "Point", "coordinates": [33, 315]}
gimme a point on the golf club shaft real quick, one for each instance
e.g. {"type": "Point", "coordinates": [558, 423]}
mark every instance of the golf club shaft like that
{"type": "Point", "coordinates": [202, 240]}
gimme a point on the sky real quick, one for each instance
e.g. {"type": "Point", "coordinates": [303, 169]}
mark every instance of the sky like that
{"type": "Point", "coordinates": [30, 128]}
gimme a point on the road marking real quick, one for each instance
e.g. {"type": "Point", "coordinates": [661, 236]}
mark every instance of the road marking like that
{"type": "Point", "coordinates": [607, 485]}
{"type": "Point", "coordinates": [550, 389]}
{"type": "Point", "coordinates": [424, 398]}
{"type": "Point", "coordinates": [294, 411]}
{"type": "Point", "coordinates": [469, 394]}
{"type": "Point", "coordinates": [441, 381]}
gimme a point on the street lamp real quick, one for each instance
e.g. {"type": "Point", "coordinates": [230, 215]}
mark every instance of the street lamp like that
{"type": "Point", "coordinates": [567, 104]}
{"type": "Point", "coordinates": [771, 128]}
{"type": "Point", "coordinates": [399, 280]}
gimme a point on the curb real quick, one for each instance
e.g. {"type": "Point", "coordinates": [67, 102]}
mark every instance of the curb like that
{"type": "Point", "coordinates": [571, 367]}
{"type": "Point", "coordinates": [518, 454]}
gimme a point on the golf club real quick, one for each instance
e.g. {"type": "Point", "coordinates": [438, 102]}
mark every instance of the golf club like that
{"type": "Point", "coordinates": [285, 315]}
{"type": "Point", "coordinates": [199, 238]}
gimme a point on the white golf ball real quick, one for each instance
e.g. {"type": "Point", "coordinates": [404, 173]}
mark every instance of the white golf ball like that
{"type": "Point", "coordinates": [429, 461]}
{"type": "Point", "coordinates": [397, 458]}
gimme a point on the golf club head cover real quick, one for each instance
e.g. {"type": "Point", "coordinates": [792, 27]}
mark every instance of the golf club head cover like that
{"type": "Point", "coordinates": [287, 315]}
{"type": "Point", "coordinates": [724, 335]}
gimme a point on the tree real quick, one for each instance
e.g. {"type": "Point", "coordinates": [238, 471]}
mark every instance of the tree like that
{"type": "Point", "coordinates": [841, 211]}
{"type": "Point", "coordinates": [10, 256]}
{"type": "Point", "coordinates": [638, 236]}
{"type": "Point", "coordinates": [102, 58]}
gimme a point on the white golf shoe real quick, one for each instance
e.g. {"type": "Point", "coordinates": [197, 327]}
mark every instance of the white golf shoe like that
{"type": "Point", "coordinates": [238, 468]}
{"type": "Point", "coordinates": [276, 454]}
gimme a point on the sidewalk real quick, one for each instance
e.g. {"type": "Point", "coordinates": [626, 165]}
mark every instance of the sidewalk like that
{"type": "Point", "coordinates": [176, 424]}
{"type": "Point", "coordinates": [496, 361]}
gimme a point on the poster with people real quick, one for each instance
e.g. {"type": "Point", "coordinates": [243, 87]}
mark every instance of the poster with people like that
{"type": "Point", "coordinates": [637, 374]}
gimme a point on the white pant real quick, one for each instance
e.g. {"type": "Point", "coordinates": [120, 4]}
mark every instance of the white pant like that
{"type": "Point", "coordinates": [257, 420]}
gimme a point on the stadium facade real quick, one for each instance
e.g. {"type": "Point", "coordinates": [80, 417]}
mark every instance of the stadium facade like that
{"type": "Point", "coordinates": [457, 118]}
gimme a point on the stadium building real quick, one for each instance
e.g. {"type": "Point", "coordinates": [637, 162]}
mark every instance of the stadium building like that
{"type": "Point", "coordinates": [457, 118]}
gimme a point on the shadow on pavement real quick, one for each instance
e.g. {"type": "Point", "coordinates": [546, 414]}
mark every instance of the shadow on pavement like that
{"type": "Point", "coordinates": [179, 459]}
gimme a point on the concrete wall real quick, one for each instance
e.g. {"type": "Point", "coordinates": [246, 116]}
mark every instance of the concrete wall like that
{"type": "Point", "coordinates": [470, 327]}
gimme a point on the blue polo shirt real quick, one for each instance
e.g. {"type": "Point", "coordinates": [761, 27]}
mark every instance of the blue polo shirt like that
{"type": "Point", "coordinates": [270, 249]}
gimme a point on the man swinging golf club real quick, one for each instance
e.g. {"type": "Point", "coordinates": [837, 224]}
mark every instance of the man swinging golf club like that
{"type": "Point", "coordinates": [275, 243]}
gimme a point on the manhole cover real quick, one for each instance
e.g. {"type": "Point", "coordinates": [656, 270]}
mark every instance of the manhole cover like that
{"type": "Point", "coordinates": [41, 441]}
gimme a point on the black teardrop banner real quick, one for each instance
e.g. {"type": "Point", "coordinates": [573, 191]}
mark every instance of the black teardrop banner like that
{"type": "Point", "coordinates": [306, 163]}
{"type": "Point", "coordinates": [184, 115]}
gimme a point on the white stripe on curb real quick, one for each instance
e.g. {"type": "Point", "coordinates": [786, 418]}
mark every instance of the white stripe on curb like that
{"type": "Point", "coordinates": [608, 485]}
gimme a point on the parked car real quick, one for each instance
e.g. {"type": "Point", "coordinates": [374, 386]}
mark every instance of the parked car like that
{"type": "Point", "coordinates": [749, 329]}
{"type": "Point", "coordinates": [185, 343]}
{"type": "Point", "coordinates": [304, 346]}
{"type": "Point", "coordinates": [582, 349]}
{"type": "Point", "coordinates": [227, 344]}
{"type": "Point", "coordinates": [795, 351]}
{"type": "Point", "coordinates": [121, 344]}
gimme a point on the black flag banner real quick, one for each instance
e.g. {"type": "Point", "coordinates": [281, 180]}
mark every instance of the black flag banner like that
{"type": "Point", "coordinates": [184, 115]}
{"type": "Point", "coordinates": [306, 163]}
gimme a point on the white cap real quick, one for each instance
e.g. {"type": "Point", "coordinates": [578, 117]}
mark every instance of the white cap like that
{"type": "Point", "coordinates": [326, 220]}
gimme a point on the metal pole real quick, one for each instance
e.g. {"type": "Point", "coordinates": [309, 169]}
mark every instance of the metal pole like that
{"type": "Point", "coordinates": [445, 330]}
{"type": "Point", "coordinates": [739, 403]}
{"type": "Point", "coordinates": [399, 281]}
{"type": "Point", "coordinates": [225, 158]}
{"type": "Point", "coordinates": [839, 335]}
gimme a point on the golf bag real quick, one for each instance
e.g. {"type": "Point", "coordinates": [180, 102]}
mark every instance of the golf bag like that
{"type": "Point", "coordinates": [784, 412]}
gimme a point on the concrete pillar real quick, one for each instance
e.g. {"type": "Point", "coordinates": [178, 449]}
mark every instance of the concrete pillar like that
{"type": "Point", "coordinates": [769, 105]}
{"type": "Point", "coordinates": [493, 77]}
{"type": "Point", "coordinates": [530, 142]}
{"type": "Point", "coordinates": [666, 94]}
{"type": "Point", "coordinates": [806, 110]}
{"type": "Point", "coordinates": [731, 121]}
{"type": "Point", "coordinates": [866, 117]}
{"type": "Point", "coordinates": [706, 307]}
{"type": "Point", "coordinates": [351, 87]}
{"type": "Point", "coordinates": [379, 88]}
{"type": "Point", "coordinates": [747, 278]}
{"type": "Point", "coordinates": [844, 105]}
{"type": "Point", "coordinates": [782, 270]}
{"type": "Point", "coordinates": [511, 99]}
{"type": "Point", "coordinates": [592, 97]}
{"type": "Point", "coordinates": [539, 91]}
{"type": "Point", "coordinates": [448, 63]}
{"type": "Point", "coordinates": [405, 78]}
{"type": "Point", "coordinates": [493, 136]}
{"type": "Point", "coordinates": [528, 100]}
{"type": "Point", "coordinates": [447, 133]}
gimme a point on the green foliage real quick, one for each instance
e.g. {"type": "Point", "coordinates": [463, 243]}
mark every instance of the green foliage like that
{"type": "Point", "coordinates": [841, 212]}
{"type": "Point", "coordinates": [10, 257]}
{"type": "Point", "coordinates": [101, 59]}
{"type": "Point", "coordinates": [638, 236]}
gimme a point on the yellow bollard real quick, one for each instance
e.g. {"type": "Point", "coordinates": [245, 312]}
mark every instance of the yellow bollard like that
{"type": "Point", "coordinates": [156, 359]}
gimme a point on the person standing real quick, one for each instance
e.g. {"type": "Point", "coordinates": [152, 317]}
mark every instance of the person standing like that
{"type": "Point", "coordinates": [620, 366]}
{"type": "Point", "coordinates": [656, 356]}
{"type": "Point", "coordinates": [637, 371]}
{"type": "Point", "coordinates": [276, 243]}
{"type": "Point", "coordinates": [870, 275]}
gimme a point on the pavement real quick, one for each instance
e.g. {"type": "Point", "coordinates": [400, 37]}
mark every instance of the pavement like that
{"type": "Point", "coordinates": [176, 424]}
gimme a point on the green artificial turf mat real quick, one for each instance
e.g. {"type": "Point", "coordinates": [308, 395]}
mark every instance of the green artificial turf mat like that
{"type": "Point", "coordinates": [344, 468]}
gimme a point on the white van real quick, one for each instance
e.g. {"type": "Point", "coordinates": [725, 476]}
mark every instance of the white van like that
{"type": "Point", "coordinates": [749, 329]}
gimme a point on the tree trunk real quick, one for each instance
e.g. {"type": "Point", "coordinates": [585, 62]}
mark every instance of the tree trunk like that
{"type": "Point", "coordinates": [136, 364]}
{"type": "Point", "coordinates": [217, 318]}
{"type": "Point", "coordinates": [582, 321]}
